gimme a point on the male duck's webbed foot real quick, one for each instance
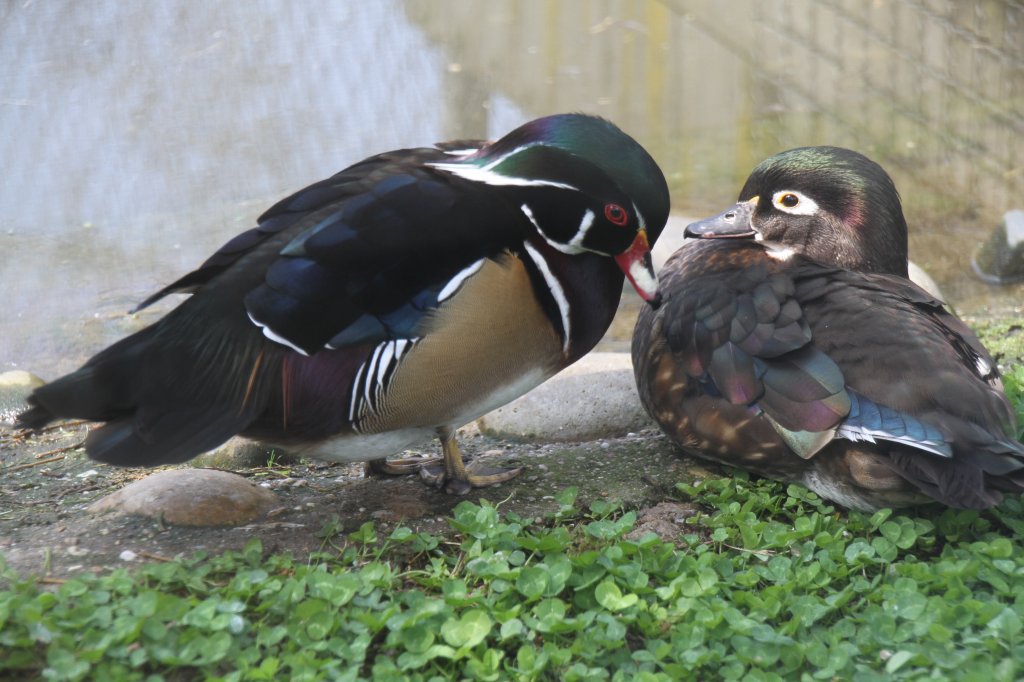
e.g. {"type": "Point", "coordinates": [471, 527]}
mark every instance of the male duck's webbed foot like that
{"type": "Point", "coordinates": [456, 477]}
{"type": "Point", "coordinates": [400, 466]}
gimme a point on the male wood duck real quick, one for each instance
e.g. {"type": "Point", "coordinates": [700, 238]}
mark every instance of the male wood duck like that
{"type": "Point", "coordinates": [790, 343]}
{"type": "Point", "coordinates": [399, 299]}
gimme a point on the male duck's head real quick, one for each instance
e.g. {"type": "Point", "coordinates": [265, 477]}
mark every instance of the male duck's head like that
{"type": "Point", "coordinates": [830, 204]}
{"type": "Point", "coordinates": [584, 185]}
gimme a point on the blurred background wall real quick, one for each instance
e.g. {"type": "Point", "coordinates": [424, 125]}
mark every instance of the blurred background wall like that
{"type": "Point", "coordinates": [137, 137]}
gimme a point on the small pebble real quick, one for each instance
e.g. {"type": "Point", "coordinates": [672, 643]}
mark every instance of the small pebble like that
{"type": "Point", "coordinates": [128, 555]}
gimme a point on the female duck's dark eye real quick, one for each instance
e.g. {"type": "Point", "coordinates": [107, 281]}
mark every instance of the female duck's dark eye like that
{"type": "Point", "coordinates": [789, 200]}
{"type": "Point", "coordinates": [615, 214]}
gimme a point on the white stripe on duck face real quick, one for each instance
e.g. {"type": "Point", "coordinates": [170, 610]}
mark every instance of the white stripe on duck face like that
{"type": "Point", "coordinates": [557, 292]}
{"type": "Point", "coordinates": [374, 376]}
{"type": "Point", "coordinates": [488, 176]}
{"type": "Point", "coordinates": [581, 231]}
{"type": "Point", "coordinates": [575, 245]}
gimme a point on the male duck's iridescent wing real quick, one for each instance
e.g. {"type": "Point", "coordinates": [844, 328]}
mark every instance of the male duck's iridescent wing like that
{"type": "Point", "coordinates": [355, 259]}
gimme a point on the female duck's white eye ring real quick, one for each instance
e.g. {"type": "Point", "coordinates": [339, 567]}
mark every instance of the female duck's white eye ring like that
{"type": "Point", "coordinates": [794, 203]}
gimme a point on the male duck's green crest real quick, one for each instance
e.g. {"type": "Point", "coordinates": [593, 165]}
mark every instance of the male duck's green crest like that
{"type": "Point", "coordinates": [588, 155]}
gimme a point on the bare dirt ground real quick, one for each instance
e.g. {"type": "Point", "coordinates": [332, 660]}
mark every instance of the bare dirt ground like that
{"type": "Point", "coordinates": [46, 483]}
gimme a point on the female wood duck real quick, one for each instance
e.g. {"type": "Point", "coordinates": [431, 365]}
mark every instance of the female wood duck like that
{"type": "Point", "coordinates": [399, 299]}
{"type": "Point", "coordinates": [790, 343]}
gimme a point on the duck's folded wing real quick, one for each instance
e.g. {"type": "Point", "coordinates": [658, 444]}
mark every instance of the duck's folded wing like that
{"type": "Point", "coordinates": [288, 211]}
{"type": "Point", "coordinates": [742, 333]}
{"type": "Point", "coordinates": [921, 376]}
{"type": "Point", "coordinates": [360, 257]}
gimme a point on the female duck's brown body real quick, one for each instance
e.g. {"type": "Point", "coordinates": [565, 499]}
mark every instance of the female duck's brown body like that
{"type": "Point", "coordinates": [851, 380]}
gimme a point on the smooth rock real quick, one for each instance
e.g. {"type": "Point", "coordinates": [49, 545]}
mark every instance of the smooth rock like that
{"type": "Point", "coordinates": [1000, 260]}
{"type": "Point", "coordinates": [191, 497]}
{"type": "Point", "coordinates": [242, 453]}
{"type": "Point", "coordinates": [594, 398]}
{"type": "Point", "coordinates": [15, 387]}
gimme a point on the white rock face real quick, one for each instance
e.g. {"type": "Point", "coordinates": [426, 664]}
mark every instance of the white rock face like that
{"type": "Point", "coordinates": [1014, 221]}
{"type": "Point", "coordinates": [671, 239]}
{"type": "Point", "coordinates": [922, 279]}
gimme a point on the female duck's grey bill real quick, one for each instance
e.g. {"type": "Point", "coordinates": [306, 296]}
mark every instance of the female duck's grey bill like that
{"type": "Point", "coordinates": [733, 223]}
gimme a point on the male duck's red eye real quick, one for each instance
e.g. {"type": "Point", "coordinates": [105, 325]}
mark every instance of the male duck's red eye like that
{"type": "Point", "coordinates": [615, 214]}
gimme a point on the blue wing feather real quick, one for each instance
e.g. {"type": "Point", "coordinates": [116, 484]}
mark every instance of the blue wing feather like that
{"type": "Point", "coordinates": [869, 420]}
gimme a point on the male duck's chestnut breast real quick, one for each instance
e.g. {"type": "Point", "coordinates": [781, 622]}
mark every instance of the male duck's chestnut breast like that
{"type": "Point", "coordinates": [487, 344]}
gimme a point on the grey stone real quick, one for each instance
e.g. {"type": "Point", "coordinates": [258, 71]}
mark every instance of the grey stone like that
{"type": "Point", "coordinates": [242, 453]}
{"type": "Point", "coordinates": [190, 497]}
{"type": "Point", "coordinates": [1000, 260]}
{"type": "Point", "coordinates": [594, 398]}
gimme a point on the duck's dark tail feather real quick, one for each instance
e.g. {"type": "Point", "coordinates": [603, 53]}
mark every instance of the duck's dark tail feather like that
{"type": "Point", "coordinates": [974, 478]}
{"type": "Point", "coordinates": [34, 418]}
{"type": "Point", "coordinates": [163, 402]}
{"type": "Point", "coordinates": [167, 438]}
{"type": "Point", "coordinates": [96, 391]}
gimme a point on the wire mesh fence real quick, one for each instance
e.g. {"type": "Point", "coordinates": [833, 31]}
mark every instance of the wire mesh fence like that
{"type": "Point", "coordinates": [136, 138]}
